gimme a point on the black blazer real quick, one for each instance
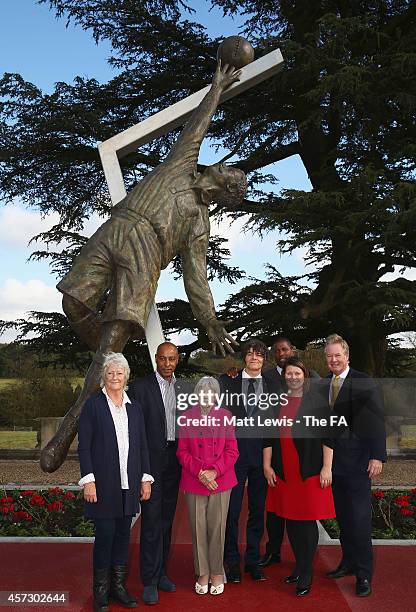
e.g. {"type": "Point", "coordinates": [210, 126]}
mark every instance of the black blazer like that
{"type": "Point", "coordinates": [276, 379]}
{"type": "Point", "coordinates": [360, 402]}
{"type": "Point", "coordinates": [98, 453]}
{"type": "Point", "coordinates": [249, 439]}
{"type": "Point", "coordinates": [307, 439]}
{"type": "Point", "coordinates": [146, 391]}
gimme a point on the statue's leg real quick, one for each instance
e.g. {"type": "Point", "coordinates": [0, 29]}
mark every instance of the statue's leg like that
{"type": "Point", "coordinates": [83, 321]}
{"type": "Point", "coordinates": [115, 336]}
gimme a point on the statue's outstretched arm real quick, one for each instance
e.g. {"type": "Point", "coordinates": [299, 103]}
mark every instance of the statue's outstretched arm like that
{"type": "Point", "coordinates": [194, 266]}
{"type": "Point", "coordinates": [195, 129]}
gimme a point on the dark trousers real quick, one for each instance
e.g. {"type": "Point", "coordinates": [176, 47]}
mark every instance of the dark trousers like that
{"type": "Point", "coordinates": [275, 526]}
{"type": "Point", "coordinates": [352, 497]}
{"type": "Point", "coordinates": [157, 519]}
{"type": "Point", "coordinates": [256, 491]}
{"type": "Point", "coordinates": [303, 537]}
{"type": "Point", "coordinates": [111, 544]}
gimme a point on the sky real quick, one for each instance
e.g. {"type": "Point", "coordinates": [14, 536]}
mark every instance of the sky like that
{"type": "Point", "coordinates": [36, 45]}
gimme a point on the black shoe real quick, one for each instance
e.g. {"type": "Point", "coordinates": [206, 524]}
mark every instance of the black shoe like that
{"type": "Point", "coordinates": [150, 595]}
{"type": "Point", "coordinates": [166, 584]}
{"type": "Point", "coordinates": [302, 591]}
{"type": "Point", "coordinates": [304, 584]}
{"type": "Point", "coordinates": [268, 559]}
{"type": "Point", "coordinates": [340, 571]}
{"type": "Point", "coordinates": [101, 589]}
{"type": "Point", "coordinates": [291, 579]}
{"type": "Point", "coordinates": [255, 572]}
{"type": "Point", "coordinates": [363, 587]}
{"type": "Point", "coordinates": [118, 589]}
{"type": "Point", "coordinates": [233, 574]}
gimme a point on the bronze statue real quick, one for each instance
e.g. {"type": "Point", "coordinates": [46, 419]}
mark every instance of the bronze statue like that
{"type": "Point", "coordinates": [166, 214]}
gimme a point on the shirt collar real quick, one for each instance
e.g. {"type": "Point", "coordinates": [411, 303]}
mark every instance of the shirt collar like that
{"type": "Point", "coordinates": [163, 381]}
{"type": "Point", "coordinates": [245, 375]}
{"type": "Point", "coordinates": [279, 369]}
{"type": "Point", "coordinates": [343, 374]}
{"type": "Point", "coordinates": [125, 399]}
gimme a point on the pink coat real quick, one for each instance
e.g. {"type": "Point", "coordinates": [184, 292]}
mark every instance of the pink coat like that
{"type": "Point", "coordinates": [209, 447]}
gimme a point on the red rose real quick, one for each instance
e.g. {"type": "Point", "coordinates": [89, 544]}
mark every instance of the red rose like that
{"type": "Point", "coordinates": [55, 506]}
{"type": "Point", "coordinates": [402, 500]}
{"type": "Point", "coordinates": [69, 495]}
{"type": "Point", "coordinates": [6, 500]}
{"type": "Point", "coordinates": [37, 500]}
{"type": "Point", "coordinates": [27, 492]}
{"type": "Point", "coordinates": [55, 490]}
{"type": "Point", "coordinates": [379, 494]}
{"type": "Point", "coordinates": [406, 512]}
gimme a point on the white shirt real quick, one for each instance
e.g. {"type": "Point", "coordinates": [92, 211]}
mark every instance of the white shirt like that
{"type": "Point", "coordinates": [121, 425]}
{"type": "Point", "coordinates": [167, 390]}
{"type": "Point", "coordinates": [244, 386]}
{"type": "Point", "coordinates": [279, 370]}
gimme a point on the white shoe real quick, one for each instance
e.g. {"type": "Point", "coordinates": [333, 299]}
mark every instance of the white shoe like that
{"type": "Point", "coordinates": [217, 590]}
{"type": "Point", "coordinates": [201, 589]}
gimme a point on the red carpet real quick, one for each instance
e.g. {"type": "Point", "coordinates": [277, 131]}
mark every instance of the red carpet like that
{"type": "Point", "coordinates": [67, 567]}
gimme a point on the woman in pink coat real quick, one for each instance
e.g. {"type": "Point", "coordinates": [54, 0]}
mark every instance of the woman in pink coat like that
{"type": "Point", "coordinates": [207, 451]}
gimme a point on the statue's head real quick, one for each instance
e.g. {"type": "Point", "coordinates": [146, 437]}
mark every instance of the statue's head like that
{"type": "Point", "coordinates": [228, 185]}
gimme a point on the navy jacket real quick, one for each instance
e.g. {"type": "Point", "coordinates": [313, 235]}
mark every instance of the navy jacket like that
{"type": "Point", "coordinates": [98, 453]}
{"type": "Point", "coordinates": [360, 402]}
{"type": "Point", "coordinates": [146, 391]}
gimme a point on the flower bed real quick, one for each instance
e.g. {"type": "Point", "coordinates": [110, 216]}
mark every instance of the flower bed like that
{"type": "Point", "coordinates": [50, 512]}
{"type": "Point", "coordinates": [393, 515]}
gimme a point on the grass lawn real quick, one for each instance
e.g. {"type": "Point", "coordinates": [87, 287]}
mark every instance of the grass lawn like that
{"type": "Point", "coordinates": [408, 439]}
{"type": "Point", "coordinates": [6, 382]}
{"type": "Point", "coordinates": [17, 439]}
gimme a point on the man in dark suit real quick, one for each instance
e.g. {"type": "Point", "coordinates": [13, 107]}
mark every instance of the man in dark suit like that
{"type": "Point", "coordinates": [359, 452]}
{"type": "Point", "coordinates": [275, 525]}
{"type": "Point", "coordinates": [242, 399]}
{"type": "Point", "coordinates": [156, 394]}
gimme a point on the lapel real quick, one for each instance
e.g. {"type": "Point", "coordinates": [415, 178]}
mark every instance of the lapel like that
{"type": "Point", "coordinates": [156, 393]}
{"type": "Point", "coordinates": [110, 438]}
{"type": "Point", "coordinates": [132, 424]}
{"type": "Point", "coordinates": [344, 392]}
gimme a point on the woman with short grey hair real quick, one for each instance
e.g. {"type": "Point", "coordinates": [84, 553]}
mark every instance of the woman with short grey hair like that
{"type": "Point", "coordinates": [117, 360]}
{"type": "Point", "coordinates": [207, 451]}
{"type": "Point", "coordinates": [114, 462]}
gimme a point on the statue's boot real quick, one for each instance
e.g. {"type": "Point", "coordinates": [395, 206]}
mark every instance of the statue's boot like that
{"type": "Point", "coordinates": [114, 337]}
{"type": "Point", "coordinates": [54, 453]}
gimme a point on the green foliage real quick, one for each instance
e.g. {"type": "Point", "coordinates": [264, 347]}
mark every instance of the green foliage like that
{"type": "Point", "coordinates": [344, 102]}
{"type": "Point", "coordinates": [41, 394]}
{"type": "Point", "coordinates": [393, 515]}
{"type": "Point", "coordinates": [48, 512]}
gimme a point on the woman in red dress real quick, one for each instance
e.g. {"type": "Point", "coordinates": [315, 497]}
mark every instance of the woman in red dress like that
{"type": "Point", "coordinates": [297, 467]}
